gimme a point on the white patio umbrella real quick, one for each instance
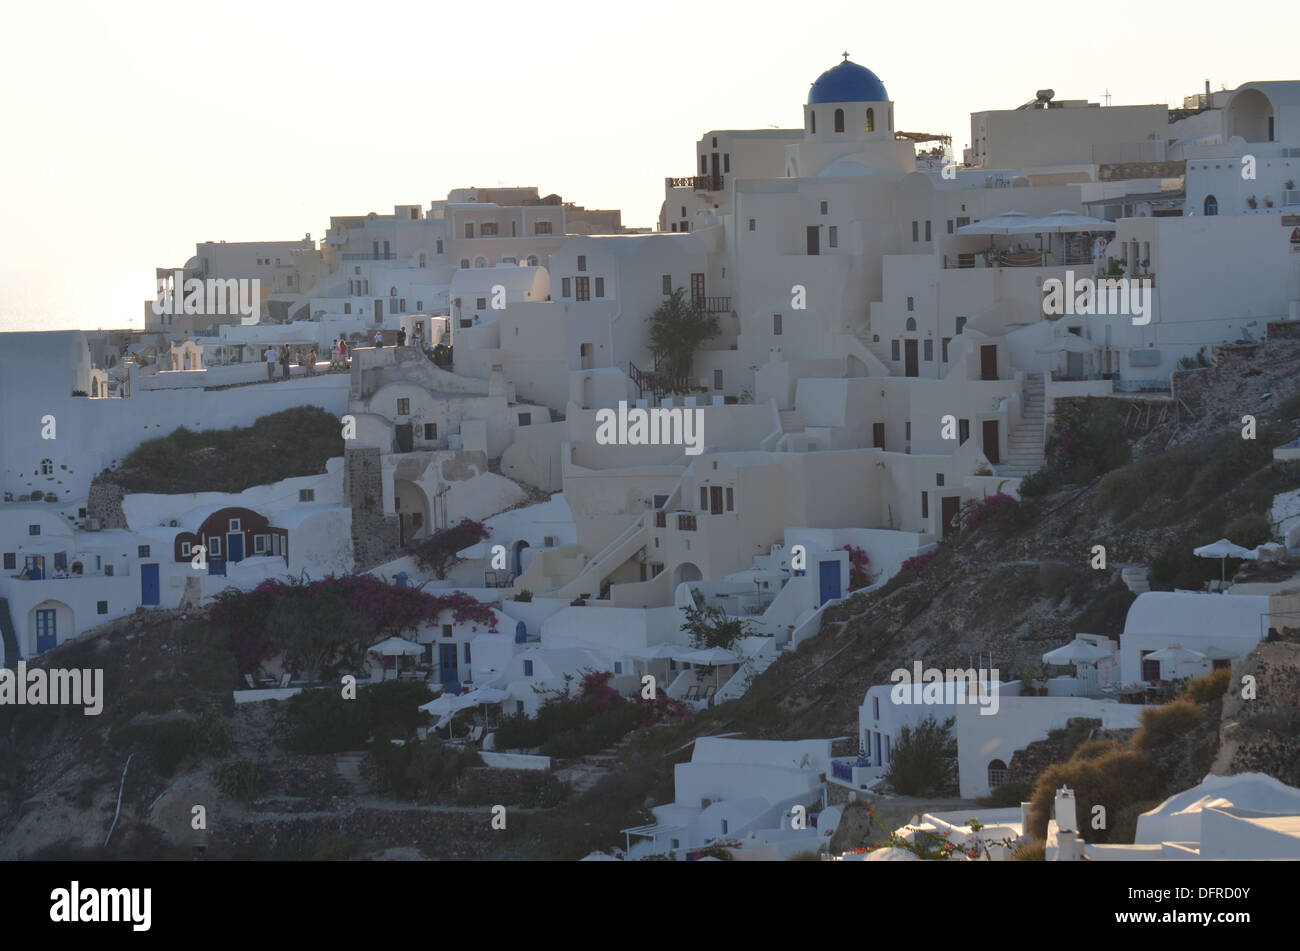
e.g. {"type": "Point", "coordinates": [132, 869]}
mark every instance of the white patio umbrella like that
{"type": "Point", "coordinates": [711, 656]}
{"type": "Point", "coordinates": [447, 704]}
{"type": "Point", "coordinates": [998, 224]}
{"type": "Point", "coordinates": [1223, 550]}
{"type": "Point", "coordinates": [396, 647]}
{"type": "Point", "coordinates": [1075, 652]}
{"type": "Point", "coordinates": [1175, 654]}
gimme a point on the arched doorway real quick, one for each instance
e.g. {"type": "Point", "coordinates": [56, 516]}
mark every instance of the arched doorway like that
{"type": "Point", "coordinates": [1211, 205]}
{"type": "Point", "coordinates": [686, 571]}
{"type": "Point", "coordinates": [517, 557]}
{"type": "Point", "coordinates": [412, 507]}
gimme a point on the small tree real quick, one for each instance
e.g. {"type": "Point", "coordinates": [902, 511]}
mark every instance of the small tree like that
{"type": "Point", "coordinates": [924, 760]}
{"type": "Point", "coordinates": [437, 553]}
{"type": "Point", "coordinates": [676, 332]}
{"type": "Point", "coordinates": [710, 627]}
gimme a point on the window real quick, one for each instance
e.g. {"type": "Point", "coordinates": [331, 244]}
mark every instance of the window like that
{"type": "Point", "coordinates": [871, 120]}
{"type": "Point", "coordinates": [911, 305]}
{"type": "Point", "coordinates": [101, 607]}
{"type": "Point", "coordinates": [347, 307]}
{"type": "Point", "coordinates": [582, 259]}
{"type": "Point", "coordinates": [480, 303]}
{"type": "Point", "coordinates": [525, 419]}
{"type": "Point", "coordinates": [582, 288]}
{"type": "Point", "coordinates": [618, 667]}
{"type": "Point", "coordinates": [542, 227]}
{"type": "Point", "coordinates": [928, 350]}
{"type": "Point", "coordinates": [704, 498]}
{"type": "Point", "coordinates": [963, 431]}
{"type": "Point", "coordinates": [11, 561]}
{"type": "Point", "coordinates": [834, 236]}
{"type": "Point", "coordinates": [938, 478]}
{"type": "Point", "coordinates": [259, 544]}
{"type": "Point", "coordinates": [812, 120]}
{"type": "Point", "coordinates": [33, 529]}
{"type": "Point", "coordinates": [467, 654]}
{"type": "Point", "coordinates": [961, 322]}
{"type": "Point", "coordinates": [925, 505]}
{"type": "Point", "coordinates": [726, 162]}
{"type": "Point", "coordinates": [469, 229]}
{"type": "Point", "coordinates": [438, 248]}
{"type": "Point", "coordinates": [306, 495]}
{"type": "Point", "coordinates": [717, 380]}
{"type": "Point", "coordinates": [185, 549]}
{"type": "Point", "coordinates": [950, 226]}
{"type": "Point", "coordinates": [142, 551]}
{"type": "Point", "coordinates": [446, 630]}
{"type": "Point", "coordinates": [404, 406]}
{"type": "Point", "coordinates": [565, 287]}
{"type": "Point", "coordinates": [419, 305]}
{"type": "Point", "coordinates": [825, 207]}
{"type": "Point", "coordinates": [668, 284]}
{"type": "Point", "coordinates": [519, 707]}
{"type": "Point", "coordinates": [776, 325]}
{"type": "Point", "coordinates": [927, 231]}
{"type": "Point", "coordinates": [916, 230]}
{"type": "Point", "coordinates": [47, 466]}
{"type": "Point", "coordinates": [600, 287]}
{"type": "Point", "coordinates": [108, 571]}
{"type": "Point", "coordinates": [528, 668]}
{"type": "Point", "coordinates": [464, 262]}
{"type": "Point", "coordinates": [487, 229]}
{"type": "Point", "coordinates": [894, 353]}
{"type": "Point", "coordinates": [943, 348]}
{"type": "Point", "coordinates": [731, 499]}
{"type": "Point", "coordinates": [532, 260]}
{"type": "Point", "coordinates": [1211, 205]}
{"type": "Point", "coordinates": [907, 430]}
{"type": "Point", "coordinates": [214, 547]}
{"type": "Point", "coordinates": [997, 773]}
{"type": "Point", "coordinates": [753, 224]}
{"type": "Point", "coordinates": [839, 120]}
{"type": "Point", "coordinates": [401, 304]}
{"type": "Point", "coordinates": [430, 431]}
{"type": "Point", "coordinates": [234, 525]}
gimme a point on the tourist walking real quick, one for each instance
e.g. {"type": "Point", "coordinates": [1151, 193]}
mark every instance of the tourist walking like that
{"type": "Point", "coordinates": [401, 337]}
{"type": "Point", "coordinates": [343, 354]}
{"type": "Point", "coordinates": [284, 362]}
{"type": "Point", "coordinates": [311, 362]}
{"type": "Point", "coordinates": [334, 354]}
{"type": "Point", "coordinates": [270, 363]}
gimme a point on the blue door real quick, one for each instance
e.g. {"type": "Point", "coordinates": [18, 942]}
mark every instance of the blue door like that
{"type": "Point", "coordinates": [47, 635]}
{"type": "Point", "coordinates": [830, 580]}
{"type": "Point", "coordinates": [448, 674]}
{"type": "Point", "coordinates": [35, 565]}
{"type": "Point", "coordinates": [148, 584]}
{"type": "Point", "coordinates": [235, 546]}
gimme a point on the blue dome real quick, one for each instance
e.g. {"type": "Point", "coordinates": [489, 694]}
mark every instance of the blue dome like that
{"type": "Point", "coordinates": [847, 82]}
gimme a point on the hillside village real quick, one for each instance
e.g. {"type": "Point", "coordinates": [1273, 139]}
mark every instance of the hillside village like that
{"type": "Point", "coordinates": [985, 416]}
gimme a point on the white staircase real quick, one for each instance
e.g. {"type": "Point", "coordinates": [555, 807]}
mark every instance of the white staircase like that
{"type": "Point", "coordinates": [1025, 442]}
{"type": "Point", "coordinates": [792, 421]}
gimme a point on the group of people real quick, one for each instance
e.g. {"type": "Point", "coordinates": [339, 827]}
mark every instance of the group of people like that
{"type": "Point", "coordinates": [339, 354]}
{"type": "Point", "coordinates": [283, 357]}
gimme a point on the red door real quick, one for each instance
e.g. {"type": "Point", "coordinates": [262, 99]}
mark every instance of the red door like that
{"type": "Point", "coordinates": [990, 445]}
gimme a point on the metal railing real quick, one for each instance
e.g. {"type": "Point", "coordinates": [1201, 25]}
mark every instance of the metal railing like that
{"type": "Point", "coordinates": [369, 256]}
{"type": "Point", "coordinates": [711, 305]}
{"type": "Point", "coordinates": [701, 183]}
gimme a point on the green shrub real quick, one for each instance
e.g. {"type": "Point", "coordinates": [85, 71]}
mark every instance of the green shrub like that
{"type": "Point", "coordinates": [1036, 484]}
{"type": "Point", "coordinates": [1210, 687]}
{"type": "Point", "coordinates": [1160, 725]}
{"type": "Point", "coordinates": [524, 596]}
{"type": "Point", "coordinates": [239, 781]}
{"type": "Point", "coordinates": [212, 734]}
{"type": "Point", "coordinates": [321, 721]}
{"type": "Point", "coordinates": [1007, 796]}
{"type": "Point", "coordinates": [1031, 852]}
{"type": "Point", "coordinates": [1249, 531]}
{"type": "Point", "coordinates": [419, 770]}
{"type": "Point", "coordinates": [172, 742]}
{"type": "Point", "coordinates": [924, 760]}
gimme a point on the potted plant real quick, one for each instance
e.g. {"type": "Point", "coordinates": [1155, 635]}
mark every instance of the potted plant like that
{"type": "Point", "coordinates": [1290, 184]}
{"type": "Point", "coordinates": [1252, 202]}
{"type": "Point", "coordinates": [1268, 202]}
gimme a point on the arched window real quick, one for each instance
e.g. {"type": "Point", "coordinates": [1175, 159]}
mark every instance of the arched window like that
{"type": "Point", "coordinates": [47, 466]}
{"type": "Point", "coordinates": [997, 773]}
{"type": "Point", "coordinates": [480, 261]}
{"type": "Point", "coordinates": [392, 292]}
{"type": "Point", "coordinates": [464, 262]}
{"type": "Point", "coordinates": [812, 117]}
{"type": "Point", "coordinates": [1211, 205]}
{"type": "Point", "coordinates": [423, 260]}
{"type": "Point", "coordinates": [911, 323]}
{"type": "Point", "coordinates": [532, 260]}
{"type": "Point", "coordinates": [871, 120]}
{"type": "Point", "coordinates": [839, 120]}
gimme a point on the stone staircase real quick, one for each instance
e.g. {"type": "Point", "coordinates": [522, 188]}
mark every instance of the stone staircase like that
{"type": "Point", "coordinates": [1135, 577]}
{"type": "Point", "coordinates": [1025, 442]}
{"type": "Point", "coordinates": [348, 766]}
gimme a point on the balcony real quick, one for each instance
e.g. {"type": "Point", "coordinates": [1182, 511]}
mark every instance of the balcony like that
{"type": "Point", "coordinates": [700, 183]}
{"type": "Point", "coordinates": [711, 305]}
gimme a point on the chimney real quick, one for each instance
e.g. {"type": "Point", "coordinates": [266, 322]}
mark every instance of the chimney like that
{"type": "Point", "coordinates": [1207, 89]}
{"type": "Point", "coordinates": [1066, 816]}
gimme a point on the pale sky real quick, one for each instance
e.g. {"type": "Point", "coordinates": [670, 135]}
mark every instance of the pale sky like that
{"type": "Point", "coordinates": [133, 130]}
